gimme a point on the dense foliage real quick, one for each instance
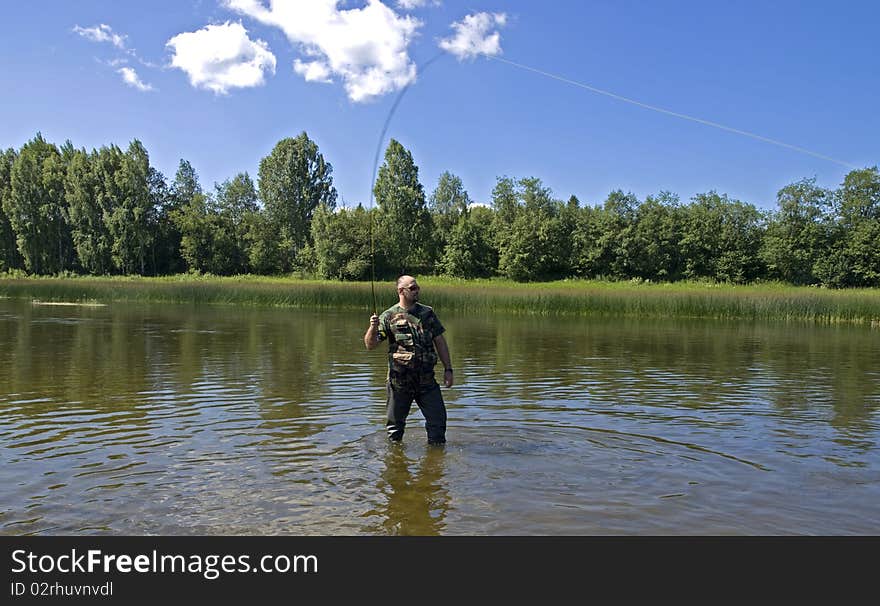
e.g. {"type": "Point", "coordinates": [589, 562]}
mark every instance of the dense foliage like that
{"type": "Point", "coordinates": [109, 212]}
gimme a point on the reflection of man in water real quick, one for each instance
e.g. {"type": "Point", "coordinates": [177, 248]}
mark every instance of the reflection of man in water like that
{"type": "Point", "coordinates": [415, 340]}
{"type": "Point", "coordinates": [416, 502]}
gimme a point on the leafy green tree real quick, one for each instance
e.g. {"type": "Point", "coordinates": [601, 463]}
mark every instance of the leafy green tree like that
{"type": "Point", "coordinates": [859, 196]}
{"type": "Point", "coordinates": [583, 238]}
{"type": "Point", "coordinates": [342, 243]}
{"type": "Point", "coordinates": [36, 208]}
{"type": "Point", "coordinates": [797, 237]}
{"type": "Point", "coordinates": [653, 239]}
{"type": "Point", "coordinates": [404, 224]}
{"type": "Point", "coordinates": [237, 198]}
{"type": "Point", "coordinates": [505, 201]}
{"type": "Point", "coordinates": [601, 246]}
{"type": "Point", "coordinates": [236, 202]}
{"type": "Point", "coordinates": [470, 252]}
{"type": "Point", "coordinates": [226, 258]}
{"type": "Point", "coordinates": [67, 152]}
{"type": "Point", "coordinates": [170, 202]}
{"type": "Point", "coordinates": [569, 215]}
{"type": "Point", "coordinates": [164, 255]}
{"type": "Point", "coordinates": [196, 238]}
{"type": "Point", "coordinates": [722, 239]}
{"type": "Point", "coordinates": [294, 179]}
{"type": "Point", "coordinates": [83, 191]}
{"type": "Point", "coordinates": [505, 206]}
{"type": "Point", "coordinates": [9, 255]}
{"type": "Point", "coordinates": [616, 223]}
{"type": "Point", "coordinates": [554, 222]}
{"type": "Point", "coordinates": [858, 211]}
{"type": "Point", "coordinates": [261, 244]}
{"type": "Point", "coordinates": [130, 218]}
{"type": "Point", "coordinates": [863, 253]}
{"type": "Point", "coordinates": [741, 240]}
{"type": "Point", "coordinates": [448, 204]}
{"type": "Point", "coordinates": [106, 166]}
{"type": "Point", "coordinates": [699, 243]}
{"type": "Point", "coordinates": [186, 185]}
{"type": "Point", "coordinates": [208, 240]}
{"type": "Point", "coordinates": [213, 232]}
{"type": "Point", "coordinates": [535, 244]}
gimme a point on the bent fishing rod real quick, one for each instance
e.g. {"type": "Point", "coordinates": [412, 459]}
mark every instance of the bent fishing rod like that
{"type": "Point", "coordinates": [419, 69]}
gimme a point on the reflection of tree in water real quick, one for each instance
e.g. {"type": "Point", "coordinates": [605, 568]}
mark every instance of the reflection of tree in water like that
{"type": "Point", "coordinates": [827, 370]}
{"type": "Point", "coordinates": [294, 353]}
{"type": "Point", "coordinates": [416, 498]}
{"type": "Point", "coordinates": [73, 358]}
{"type": "Point", "coordinates": [803, 371]}
{"type": "Point", "coordinates": [277, 360]}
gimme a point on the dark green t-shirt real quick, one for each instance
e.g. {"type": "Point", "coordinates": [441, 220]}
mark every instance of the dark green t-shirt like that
{"type": "Point", "coordinates": [410, 335]}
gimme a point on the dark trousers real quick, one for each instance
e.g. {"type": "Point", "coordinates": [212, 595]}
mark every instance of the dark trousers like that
{"type": "Point", "coordinates": [426, 393]}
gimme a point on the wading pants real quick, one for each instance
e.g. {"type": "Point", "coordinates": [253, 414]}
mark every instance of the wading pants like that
{"type": "Point", "coordinates": [402, 390]}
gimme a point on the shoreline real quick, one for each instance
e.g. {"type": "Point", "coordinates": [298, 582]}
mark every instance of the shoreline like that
{"type": "Point", "coordinates": [770, 301]}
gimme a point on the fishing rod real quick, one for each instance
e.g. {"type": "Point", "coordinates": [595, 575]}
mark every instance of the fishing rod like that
{"type": "Point", "coordinates": [426, 64]}
{"type": "Point", "coordinates": [419, 69]}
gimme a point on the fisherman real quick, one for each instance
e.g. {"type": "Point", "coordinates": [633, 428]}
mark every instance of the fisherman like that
{"type": "Point", "coordinates": [415, 340]}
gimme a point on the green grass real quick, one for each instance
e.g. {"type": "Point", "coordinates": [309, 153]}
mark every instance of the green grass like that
{"type": "Point", "coordinates": [688, 299]}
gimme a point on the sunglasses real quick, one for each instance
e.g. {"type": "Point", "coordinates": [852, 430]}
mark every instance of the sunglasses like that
{"type": "Point", "coordinates": [411, 288]}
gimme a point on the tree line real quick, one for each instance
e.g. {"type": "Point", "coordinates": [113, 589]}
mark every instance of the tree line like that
{"type": "Point", "coordinates": [108, 211]}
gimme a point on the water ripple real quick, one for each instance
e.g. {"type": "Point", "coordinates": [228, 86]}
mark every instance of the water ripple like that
{"type": "Point", "coordinates": [219, 423]}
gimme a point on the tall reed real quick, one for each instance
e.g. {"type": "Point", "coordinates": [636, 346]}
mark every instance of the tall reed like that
{"type": "Point", "coordinates": [697, 300]}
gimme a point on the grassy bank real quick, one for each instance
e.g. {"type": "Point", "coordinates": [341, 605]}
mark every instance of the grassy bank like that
{"type": "Point", "coordinates": [697, 300]}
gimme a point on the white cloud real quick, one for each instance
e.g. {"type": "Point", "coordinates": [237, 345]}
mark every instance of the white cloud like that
{"type": "Point", "coordinates": [473, 36]}
{"type": "Point", "coordinates": [101, 33]}
{"type": "Point", "coordinates": [408, 5]}
{"type": "Point", "coordinates": [365, 47]}
{"type": "Point", "coordinates": [313, 71]}
{"type": "Point", "coordinates": [220, 57]}
{"type": "Point", "coordinates": [132, 79]}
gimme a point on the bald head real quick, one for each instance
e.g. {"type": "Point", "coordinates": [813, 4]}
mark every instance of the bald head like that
{"type": "Point", "coordinates": [407, 291]}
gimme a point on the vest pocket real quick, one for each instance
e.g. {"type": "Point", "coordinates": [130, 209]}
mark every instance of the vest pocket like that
{"type": "Point", "coordinates": [404, 358]}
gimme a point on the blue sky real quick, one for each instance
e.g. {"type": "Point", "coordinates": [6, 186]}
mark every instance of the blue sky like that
{"type": "Point", "coordinates": [219, 82]}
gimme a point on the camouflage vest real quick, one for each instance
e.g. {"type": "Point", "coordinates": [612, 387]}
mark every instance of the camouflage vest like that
{"type": "Point", "coordinates": [410, 337]}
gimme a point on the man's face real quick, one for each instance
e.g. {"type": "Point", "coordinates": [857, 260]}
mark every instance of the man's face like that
{"type": "Point", "coordinates": [410, 291]}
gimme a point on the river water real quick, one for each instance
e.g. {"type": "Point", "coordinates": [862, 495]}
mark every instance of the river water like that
{"type": "Point", "coordinates": [181, 420]}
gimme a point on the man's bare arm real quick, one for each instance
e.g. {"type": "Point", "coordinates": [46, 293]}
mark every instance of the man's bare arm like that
{"type": "Point", "coordinates": [443, 353]}
{"type": "Point", "coordinates": [371, 338]}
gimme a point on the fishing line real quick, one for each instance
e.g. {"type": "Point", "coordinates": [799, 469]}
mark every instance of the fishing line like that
{"type": "Point", "coordinates": [737, 131]}
{"type": "Point", "coordinates": [419, 69]}
{"type": "Point", "coordinates": [599, 91]}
